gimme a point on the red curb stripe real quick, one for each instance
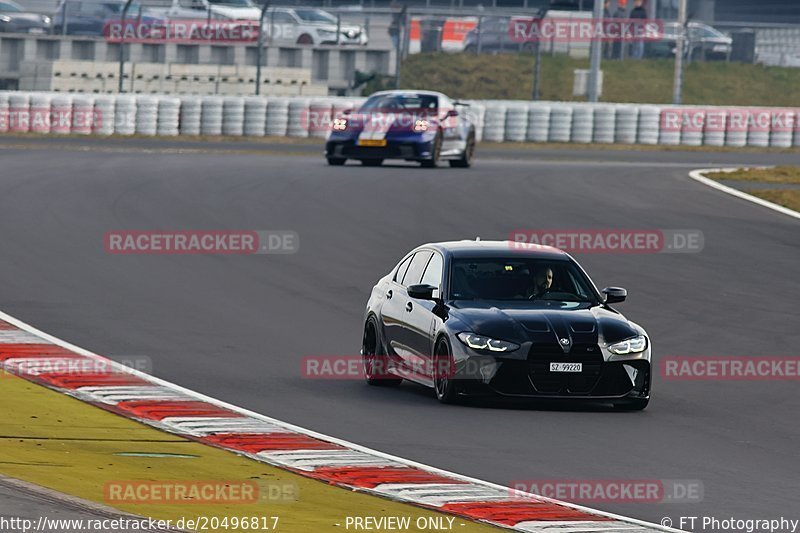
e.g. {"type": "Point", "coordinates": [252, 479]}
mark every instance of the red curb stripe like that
{"type": "Point", "coordinates": [5, 326]}
{"type": "Point", "coordinates": [71, 380]}
{"type": "Point", "coordinates": [254, 443]}
{"type": "Point", "coordinates": [159, 410]}
{"type": "Point", "coordinates": [12, 351]}
{"type": "Point", "coordinates": [371, 477]}
{"type": "Point", "coordinates": [513, 512]}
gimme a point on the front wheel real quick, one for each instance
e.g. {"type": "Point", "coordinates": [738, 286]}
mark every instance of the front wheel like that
{"type": "Point", "coordinates": [465, 161]}
{"type": "Point", "coordinates": [444, 383]}
{"type": "Point", "coordinates": [436, 150]}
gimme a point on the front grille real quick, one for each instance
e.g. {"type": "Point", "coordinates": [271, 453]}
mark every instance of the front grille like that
{"type": "Point", "coordinates": [532, 377]}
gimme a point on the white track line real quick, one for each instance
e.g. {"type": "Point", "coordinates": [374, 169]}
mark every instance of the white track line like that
{"type": "Point", "coordinates": [314, 434]}
{"type": "Point", "coordinates": [699, 175]}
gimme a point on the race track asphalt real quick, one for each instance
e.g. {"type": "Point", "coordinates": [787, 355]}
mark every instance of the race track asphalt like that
{"type": "Point", "coordinates": [237, 327]}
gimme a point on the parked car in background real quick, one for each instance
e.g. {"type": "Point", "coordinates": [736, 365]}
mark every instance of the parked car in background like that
{"type": "Point", "coordinates": [88, 17]}
{"type": "Point", "coordinates": [215, 9]}
{"type": "Point", "coordinates": [14, 19]}
{"type": "Point", "coordinates": [307, 25]}
{"type": "Point", "coordinates": [704, 42]}
{"type": "Point", "coordinates": [491, 35]}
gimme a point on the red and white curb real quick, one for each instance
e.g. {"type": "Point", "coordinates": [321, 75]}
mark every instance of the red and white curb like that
{"type": "Point", "coordinates": [699, 175]}
{"type": "Point", "coordinates": [56, 364]}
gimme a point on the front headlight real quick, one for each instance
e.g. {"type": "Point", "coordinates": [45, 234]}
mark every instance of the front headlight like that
{"type": "Point", "coordinates": [5, 18]}
{"type": "Point", "coordinates": [479, 342]}
{"type": "Point", "coordinates": [45, 19]}
{"type": "Point", "coordinates": [421, 126]}
{"type": "Point", "coordinates": [339, 124]}
{"type": "Point", "coordinates": [634, 345]}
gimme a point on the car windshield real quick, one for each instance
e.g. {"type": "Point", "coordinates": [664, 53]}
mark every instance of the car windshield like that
{"type": "Point", "coordinates": [709, 32]}
{"type": "Point", "coordinates": [401, 102]}
{"type": "Point", "coordinates": [10, 7]}
{"type": "Point", "coordinates": [315, 15]}
{"type": "Point", "coordinates": [512, 278]}
{"type": "Point", "coordinates": [234, 3]}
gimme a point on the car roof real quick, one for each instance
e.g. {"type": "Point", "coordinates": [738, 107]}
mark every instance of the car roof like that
{"type": "Point", "coordinates": [478, 248]}
{"type": "Point", "coordinates": [407, 91]}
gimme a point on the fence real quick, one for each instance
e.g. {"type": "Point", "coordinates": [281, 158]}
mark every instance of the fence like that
{"type": "Point", "coordinates": [498, 121]}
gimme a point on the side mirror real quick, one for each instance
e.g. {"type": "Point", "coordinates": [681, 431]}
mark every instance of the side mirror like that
{"type": "Point", "coordinates": [421, 292]}
{"type": "Point", "coordinates": [347, 111]}
{"type": "Point", "coordinates": [615, 294]}
{"type": "Point", "coordinates": [451, 113]}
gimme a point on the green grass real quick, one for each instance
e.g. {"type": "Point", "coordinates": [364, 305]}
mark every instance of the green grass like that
{"type": "Point", "coordinates": [763, 175]}
{"type": "Point", "coordinates": [784, 197]}
{"type": "Point", "coordinates": [510, 76]}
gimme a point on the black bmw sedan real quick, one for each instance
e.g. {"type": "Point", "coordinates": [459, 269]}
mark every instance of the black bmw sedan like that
{"type": "Point", "coordinates": [503, 318]}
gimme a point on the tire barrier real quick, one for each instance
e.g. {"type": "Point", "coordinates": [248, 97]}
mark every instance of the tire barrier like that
{"type": "Point", "coordinates": [494, 120]}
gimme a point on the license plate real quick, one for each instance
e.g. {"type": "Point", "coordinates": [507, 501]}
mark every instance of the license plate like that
{"type": "Point", "coordinates": [38, 31]}
{"type": "Point", "coordinates": [566, 367]}
{"type": "Point", "coordinates": [372, 142]}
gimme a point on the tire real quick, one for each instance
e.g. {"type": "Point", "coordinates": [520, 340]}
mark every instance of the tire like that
{"type": "Point", "coordinates": [336, 161]}
{"type": "Point", "coordinates": [469, 152]}
{"type": "Point", "coordinates": [637, 404]}
{"type": "Point", "coordinates": [437, 150]}
{"type": "Point", "coordinates": [372, 162]}
{"type": "Point", "coordinates": [443, 384]}
{"type": "Point", "coordinates": [372, 352]}
{"type": "Point", "coordinates": [305, 39]}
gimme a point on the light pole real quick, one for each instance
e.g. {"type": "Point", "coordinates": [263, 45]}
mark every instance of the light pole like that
{"type": "Point", "coordinates": [122, 45]}
{"type": "Point", "coordinates": [596, 49]}
{"type": "Point", "coordinates": [679, 48]}
{"type": "Point", "coordinates": [260, 49]}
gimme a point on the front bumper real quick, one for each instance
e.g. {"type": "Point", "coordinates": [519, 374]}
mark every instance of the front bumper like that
{"type": "Point", "coordinates": [530, 377]}
{"type": "Point", "coordinates": [349, 149]}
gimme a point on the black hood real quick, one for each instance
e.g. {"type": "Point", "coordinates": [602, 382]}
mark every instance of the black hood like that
{"type": "Point", "coordinates": [543, 322]}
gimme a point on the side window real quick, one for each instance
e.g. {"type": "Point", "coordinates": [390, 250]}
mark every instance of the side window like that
{"type": "Point", "coordinates": [433, 274]}
{"type": "Point", "coordinates": [281, 17]}
{"type": "Point", "coordinates": [401, 270]}
{"type": "Point", "coordinates": [414, 273]}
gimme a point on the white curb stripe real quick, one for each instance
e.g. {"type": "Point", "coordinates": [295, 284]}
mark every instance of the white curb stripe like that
{"type": "Point", "coordinates": [310, 460]}
{"type": "Point", "coordinates": [113, 395]}
{"type": "Point", "coordinates": [203, 426]}
{"type": "Point", "coordinates": [439, 494]}
{"type": "Point", "coordinates": [565, 526]}
{"type": "Point", "coordinates": [10, 336]}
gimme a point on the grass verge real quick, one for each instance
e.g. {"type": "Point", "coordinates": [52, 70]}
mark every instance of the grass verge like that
{"type": "Point", "coordinates": [784, 174]}
{"type": "Point", "coordinates": [510, 76]}
{"type": "Point", "coordinates": [58, 442]}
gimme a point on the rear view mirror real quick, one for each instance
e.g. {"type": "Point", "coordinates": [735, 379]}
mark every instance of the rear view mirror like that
{"type": "Point", "coordinates": [615, 294]}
